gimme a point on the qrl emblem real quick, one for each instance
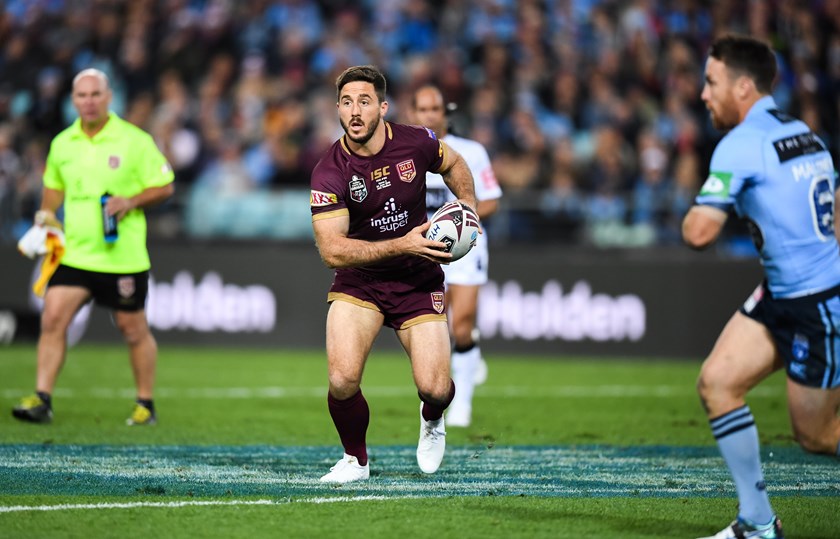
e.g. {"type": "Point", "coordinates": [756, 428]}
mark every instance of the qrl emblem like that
{"type": "Point", "coordinates": [358, 189]}
{"type": "Point", "coordinates": [114, 162]}
{"type": "Point", "coordinates": [437, 301]}
{"type": "Point", "coordinates": [125, 286]}
{"type": "Point", "coordinates": [406, 170]}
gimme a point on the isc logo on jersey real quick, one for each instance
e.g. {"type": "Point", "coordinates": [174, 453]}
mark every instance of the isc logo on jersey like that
{"type": "Point", "coordinates": [717, 184]}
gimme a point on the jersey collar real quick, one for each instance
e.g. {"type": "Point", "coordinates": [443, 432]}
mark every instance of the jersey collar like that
{"type": "Point", "coordinates": [106, 132]}
{"type": "Point", "coordinates": [389, 134]}
{"type": "Point", "coordinates": [765, 103]}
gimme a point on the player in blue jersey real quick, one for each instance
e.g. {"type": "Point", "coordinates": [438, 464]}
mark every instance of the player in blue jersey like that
{"type": "Point", "coordinates": [368, 203]}
{"type": "Point", "coordinates": [771, 170]}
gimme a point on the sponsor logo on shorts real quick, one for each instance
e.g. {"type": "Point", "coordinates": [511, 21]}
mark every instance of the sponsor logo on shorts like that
{"type": "Point", "coordinates": [358, 189]}
{"type": "Point", "coordinates": [114, 161]}
{"type": "Point", "coordinates": [319, 199]}
{"type": "Point", "coordinates": [801, 348]}
{"type": "Point", "coordinates": [406, 170]}
{"type": "Point", "coordinates": [125, 286]}
{"type": "Point", "coordinates": [437, 301]}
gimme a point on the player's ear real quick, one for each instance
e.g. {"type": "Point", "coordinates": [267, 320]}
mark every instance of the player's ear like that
{"type": "Point", "coordinates": [744, 86]}
{"type": "Point", "coordinates": [383, 108]}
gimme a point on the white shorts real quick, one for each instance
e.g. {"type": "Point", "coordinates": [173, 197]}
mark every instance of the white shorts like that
{"type": "Point", "coordinates": [472, 268]}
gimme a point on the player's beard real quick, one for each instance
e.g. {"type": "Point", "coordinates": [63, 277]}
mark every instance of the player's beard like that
{"type": "Point", "coordinates": [366, 136]}
{"type": "Point", "coordinates": [723, 117]}
{"type": "Point", "coordinates": [719, 123]}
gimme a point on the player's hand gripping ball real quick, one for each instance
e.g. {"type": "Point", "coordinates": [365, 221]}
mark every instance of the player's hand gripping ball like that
{"type": "Point", "coordinates": [456, 225]}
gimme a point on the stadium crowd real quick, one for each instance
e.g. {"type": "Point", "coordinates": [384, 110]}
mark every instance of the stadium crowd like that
{"type": "Point", "coordinates": [590, 109]}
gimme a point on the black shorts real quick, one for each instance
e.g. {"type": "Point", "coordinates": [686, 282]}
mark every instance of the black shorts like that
{"type": "Point", "coordinates": [806, 331]}
{"type": "Point", "coordinates": [121, 292]}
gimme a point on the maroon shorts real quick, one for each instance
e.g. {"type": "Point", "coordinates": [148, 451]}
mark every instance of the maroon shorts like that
{"type": "Point", "coordinates": [412, 299]}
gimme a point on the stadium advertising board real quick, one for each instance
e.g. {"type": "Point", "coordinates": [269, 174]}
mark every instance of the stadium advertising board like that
{"type": "Point", "coordinates": [629, 303]}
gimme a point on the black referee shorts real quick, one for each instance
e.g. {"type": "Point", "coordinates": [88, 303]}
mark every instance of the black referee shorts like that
{"type": "Point", "coordinates": [121, 292]}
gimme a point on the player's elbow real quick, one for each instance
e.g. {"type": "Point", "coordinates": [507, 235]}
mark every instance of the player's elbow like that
{"type": "Point", "coordinates": [699, 230]}
{"type": "Point", "coordinates": [329, 260]}
{"type": "Point", "coordinates": [696, 239]}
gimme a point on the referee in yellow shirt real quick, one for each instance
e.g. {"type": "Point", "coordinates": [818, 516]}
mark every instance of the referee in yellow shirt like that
{"type": "Point", "coordinates": [99, 167]}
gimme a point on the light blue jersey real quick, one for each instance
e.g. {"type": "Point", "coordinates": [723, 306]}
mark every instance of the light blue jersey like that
{"type": "Point", "coordinates": [774, 172]}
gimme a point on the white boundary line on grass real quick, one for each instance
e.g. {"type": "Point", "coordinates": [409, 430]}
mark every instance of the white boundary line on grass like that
{"type": "Point", "coordinates": [367, 498]}
{"type": "Point", "coordinates": [193, 503]}
{"type": "Point", "coordinates": [129, 505]}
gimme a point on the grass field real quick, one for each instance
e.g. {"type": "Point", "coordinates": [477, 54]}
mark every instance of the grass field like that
{"type": "Point", "coordinates": [559, 447]}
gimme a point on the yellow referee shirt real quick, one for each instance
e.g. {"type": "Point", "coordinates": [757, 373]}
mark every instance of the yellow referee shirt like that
{"type": "Point", "coordinates": [121, 160]}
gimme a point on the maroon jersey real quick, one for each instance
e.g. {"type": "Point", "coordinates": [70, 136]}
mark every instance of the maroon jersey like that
{"type": "Point", "coordinates": [384, 194]}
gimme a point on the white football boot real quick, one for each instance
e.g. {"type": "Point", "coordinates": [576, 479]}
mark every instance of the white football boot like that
{"type": "Point", "coordinates": [347, 470]}
{"type": "Point", "coordinates": [432, 444]}
{"type": "Point", "coordinates": [740, 529]}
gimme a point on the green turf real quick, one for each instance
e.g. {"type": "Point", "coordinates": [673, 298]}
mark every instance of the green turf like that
{"type": "Point", "coordinates": [456, 518]}
{"type": "Point", "coordinates": [525, 400]}
{"type": "Point", "coordinates": [561, 421]}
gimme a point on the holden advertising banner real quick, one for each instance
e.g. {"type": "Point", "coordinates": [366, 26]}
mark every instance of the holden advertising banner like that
{"type": "Point", "coordinates": [555, 301]}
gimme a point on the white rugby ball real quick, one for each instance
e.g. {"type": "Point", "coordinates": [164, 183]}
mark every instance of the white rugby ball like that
{"type": "Point", "coordinates": [456, 225]}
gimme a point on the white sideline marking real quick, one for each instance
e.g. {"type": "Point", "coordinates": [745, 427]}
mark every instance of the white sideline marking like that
{"type": "Point", "coordinates": [188, 503]}
{"type": "Point", "coordinates": [367, 498]}
{"type": "Point", "coordinates": [128, 505]}
{"type": "Point", "coordinates": [277, 392]}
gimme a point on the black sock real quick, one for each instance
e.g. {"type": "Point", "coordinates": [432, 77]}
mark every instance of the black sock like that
{"type": "Point", "coordinates": [465, 348]}
{"type": "Point", "coordinates": [147, 403]}
{"type": "Point", "coordinates": [45, 397]}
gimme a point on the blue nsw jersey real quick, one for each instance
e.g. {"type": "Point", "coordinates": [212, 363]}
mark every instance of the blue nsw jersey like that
{"type": "Point", "coordinates": [774, 172]}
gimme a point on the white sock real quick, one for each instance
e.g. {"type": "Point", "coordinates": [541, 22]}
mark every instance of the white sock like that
{"type": "Point", "coordinates": [464, 365]}
{"type": "Point", "coordinates": [737, 438]}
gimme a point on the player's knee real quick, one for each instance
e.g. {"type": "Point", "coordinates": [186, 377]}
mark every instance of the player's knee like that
{"type": "Point", "coordinates": [815, 442]}
{"type": "Point", "coordinates": [438, 395]}
{"type": "Point", "coordinates": [716, 393]}
{"type": "Point", "coordinates": [343, 386]}
{"type": "Point", "coordinates": [462, 334]}
{"type": "Point", "coordinates": [133, 333]}
{"type": "Point", "coordinates": [705, 386]}
{"type": "Point", "coordinates": [53, 322]}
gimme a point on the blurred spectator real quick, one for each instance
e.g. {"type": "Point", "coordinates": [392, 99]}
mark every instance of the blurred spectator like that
{"type": "Point", "coordinates": [562, 202]}
{"type": "Point", "coordinates": [10, 170]}
{"type": "Point", "coordinates": [652, 189]}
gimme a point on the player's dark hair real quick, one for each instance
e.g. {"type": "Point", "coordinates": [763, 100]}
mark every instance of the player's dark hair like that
{"type": "Point", "coordinates": [747, 56]}
{"type": "Point", "coordinates": [368, 73]}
